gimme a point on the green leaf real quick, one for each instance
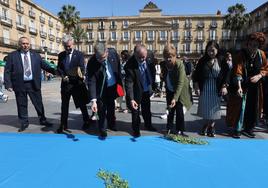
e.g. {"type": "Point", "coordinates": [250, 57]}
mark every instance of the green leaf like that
{"type": "Point", "coordinates": [185, 140]}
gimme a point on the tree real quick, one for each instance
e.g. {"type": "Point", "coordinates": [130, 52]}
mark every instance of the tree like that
{"type": "Point", "coordinates": [236, 19]}
{"type": "Point", "coordinates": [79, 35]}
{"type": "Point", "coordinates": [69, 17]}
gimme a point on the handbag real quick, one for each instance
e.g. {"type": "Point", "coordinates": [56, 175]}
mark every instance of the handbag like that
{"type": "Point", "coordinates": [120, 90]}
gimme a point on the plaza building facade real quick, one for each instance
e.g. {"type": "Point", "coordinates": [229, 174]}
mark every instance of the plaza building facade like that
{"type": "Point", "coordinates": [24, 18]}
{"type": "Point", "coordinates": [188, 33]}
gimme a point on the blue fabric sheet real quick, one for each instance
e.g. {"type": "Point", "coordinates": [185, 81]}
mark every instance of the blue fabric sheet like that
{"type": "Point", "coordinates": [55, 161]}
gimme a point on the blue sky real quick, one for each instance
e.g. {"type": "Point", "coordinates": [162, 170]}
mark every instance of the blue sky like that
{"type": "Point", "coordinates": [93, 8]}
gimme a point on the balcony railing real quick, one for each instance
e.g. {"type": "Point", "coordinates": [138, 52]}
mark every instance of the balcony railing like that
{"type": "Point", "coordinates": [58, 26]}
{"type": "Point", "coordinates": [5, 2]}
{"type": "Point", "coordinates": [101, 39]}
{"type": "Point", "coordinates": [213, 25]}
{"type": "Point", "coordinates": [19, 8]}
{"type": "Point", "coordinates": [125, 39]}
{"type": "Point", "coordinates": [213, 38]}
{"type": "Point", "coordinates": [113, 39]}
{"type": "Point", "coordinates": [51, 37]}
{"type": "Point", "coordinates": [200, 25]}
{"type": "Point", "coordinates": [188, 38]}
{"type": "Point", "coordinates": [138, 39]}
{"type": "Point", "coordinates": [42, 19]}
{"type": "Point", "coordinates": [101, 27]}
{"type": "Point", "coordinates": [6, 42]}
{"type": "Point", "coordinates": [163, 38]}
{"type": "Point", "coordinates": [150, 39]}
{"type": "Point", "coordinates": [175, 38]}
{"type": "Point", "coordinates": [188, 25]}
{"type": "Point", "coordinates": [33, 30]}
{"type": "Point", "coordinates": [89, 27]}
{"type": "Point", "coordinates": [20, 26]}
{"type": "Point", "coordinates": [89, 40]}
{"type": "Point", "coordinates": [200, 39]}
{"type": "Point", "coordinates": [125, 26]}
{"type": "Point", "coordinates": [50, 23]}
{"type": "Point", "coordinates": [113, 27]}
{"type": "Point", "coordinates": [31, 14]}
{"type": "Point", "coordinates": [175, 25]}
{"type": "Point", "coordinates": [43, 34]}
{"type": "Point", "coordinates": [6, 21]}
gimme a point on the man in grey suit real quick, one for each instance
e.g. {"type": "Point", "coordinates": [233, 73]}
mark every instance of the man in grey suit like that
{"type": "Point", "coordinates": [23, 76]}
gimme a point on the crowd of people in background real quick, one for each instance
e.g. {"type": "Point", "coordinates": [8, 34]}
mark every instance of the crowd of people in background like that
{"type": "Point", "coordinates": [239, 78]}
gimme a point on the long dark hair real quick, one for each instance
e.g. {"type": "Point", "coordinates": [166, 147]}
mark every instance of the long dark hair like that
{"type": "Point", "coordinates": [206, 57]}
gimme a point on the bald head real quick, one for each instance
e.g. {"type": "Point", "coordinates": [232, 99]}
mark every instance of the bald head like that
{"type": "Point", "coordinates": [24, 44]}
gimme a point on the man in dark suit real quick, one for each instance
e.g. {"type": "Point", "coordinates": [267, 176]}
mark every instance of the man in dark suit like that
{"type": "Point", "coordinates": [72, 70]}
{"type": "Point", "coordinates": [139, 83]}
{"type": "Point", "coordinates": [23, 76]}
{"type": "Point", "coordinates": [103, 70]}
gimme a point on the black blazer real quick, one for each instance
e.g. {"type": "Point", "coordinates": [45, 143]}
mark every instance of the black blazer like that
{"type": "Point", "coordinates": [133, 84]}
{"type": "Point", "coordinates": [201, 72]}
{"type": "Point", "coordinates": [14, 75]}
{"type": "Point", "coordinates": [76, 85]}
{"type": "Point", "coordinates": [95, 74]}
{"type": "Point", "coordinates": [76, 61]}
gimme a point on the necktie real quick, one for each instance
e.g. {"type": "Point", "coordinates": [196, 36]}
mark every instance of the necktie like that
{"type": "Point", "coordinates": [26, 66]}
{"type": "Point", "coordinates": [68, 59]}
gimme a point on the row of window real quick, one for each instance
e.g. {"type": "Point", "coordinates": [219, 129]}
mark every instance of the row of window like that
{"type": "Point", "coordinates": [51, 45]}
{"type": "Point", "coordinates": [185, 48]}
{"type": "Point", "coordinates": [125, 24]}
{"type": "Point", "coordinates": [5, 16]}
{"type": "Point", "coordinates": [163, 35]}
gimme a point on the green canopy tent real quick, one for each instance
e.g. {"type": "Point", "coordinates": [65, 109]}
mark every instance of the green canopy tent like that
{"type": "Point", "coordinates": [51, 64]}
{"type": "Point", "coordinates": [2, 63]}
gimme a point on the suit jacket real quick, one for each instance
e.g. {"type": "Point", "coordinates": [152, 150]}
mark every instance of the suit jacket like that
{"type": "Point", "coordinates": [133, 84]}
{"type": "Point", "coordinates": [95, 74]}
{"type": "Point", "coordinates": [14, 73]}
{"type": "Point", "coordinates": [179, 82]}
{"type": "Point", "coordinates": [76, 83]}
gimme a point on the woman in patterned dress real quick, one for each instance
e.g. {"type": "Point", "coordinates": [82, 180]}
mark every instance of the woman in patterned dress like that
{"type": "Point", "coordinates": [210, 82]}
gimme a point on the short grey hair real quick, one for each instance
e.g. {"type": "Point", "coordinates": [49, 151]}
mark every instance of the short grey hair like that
{"type": "Point", "coordinates": [100, 48]}
{"type": "Point", "coordinates": [21, 38]}
{"type": "Point", "coordinates": [67, 38]}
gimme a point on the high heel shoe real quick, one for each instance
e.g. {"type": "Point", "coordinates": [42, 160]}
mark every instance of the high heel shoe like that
{"type": "Point", "coordinates": [211, 131]}
{"type": "Point", "coordinates": [204, 130]}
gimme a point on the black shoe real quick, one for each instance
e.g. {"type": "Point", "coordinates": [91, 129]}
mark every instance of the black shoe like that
{"type": "Point", "coordinates": [249, 134]}
{"type": "Point", "coordinates": [136, 133]}
{"type": "Point", "coordinates": [103, 134]}
{"type": "Point", "coordinates": [236, 134]}
{"type": "Point", "coordinates": [150, 128]}
{"type": "Point", "coordinates": [204, 130]}
{"type": "Point", "coordinates": [46, 123]}
{"type": "Point", "coordinates": [23, 127]}
{"type": "Point", "coordinates": [63, 128]}
{"type": "Point", "coordinates": [211, 132]}
{"type": "Point", "coordinates": [86, 125]}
